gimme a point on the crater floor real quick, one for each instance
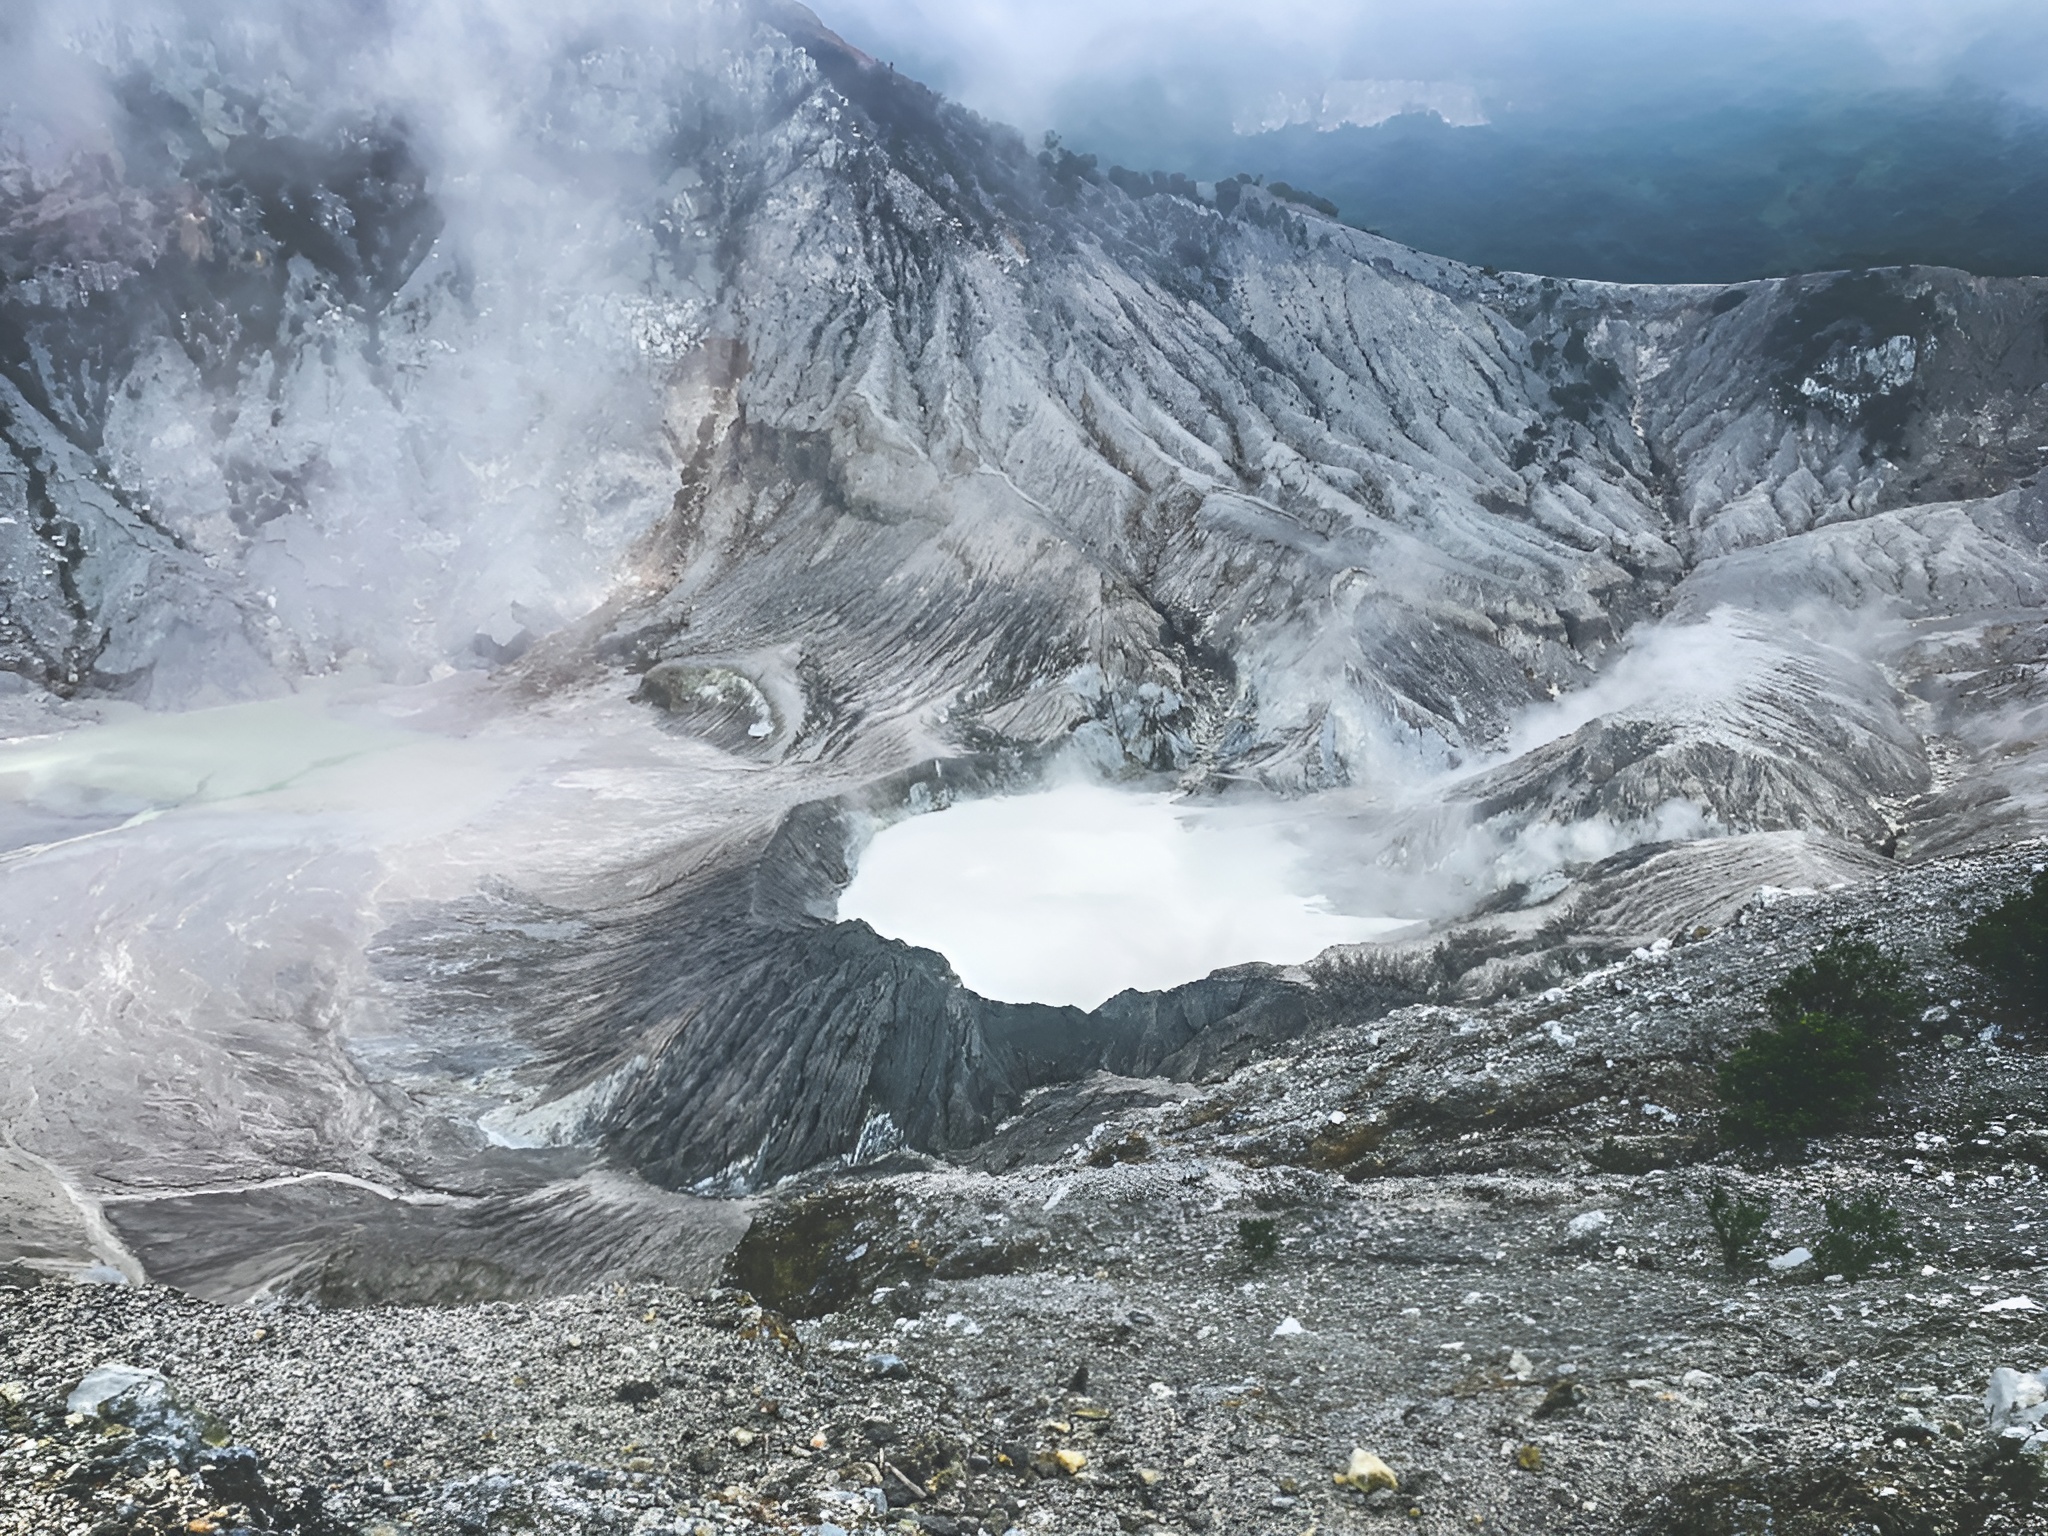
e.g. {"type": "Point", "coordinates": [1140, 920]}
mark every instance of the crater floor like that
{"type": "Point", "coordinates": [1066, 1330]}
{"type": "Point", "coordinates": [1074, 894]}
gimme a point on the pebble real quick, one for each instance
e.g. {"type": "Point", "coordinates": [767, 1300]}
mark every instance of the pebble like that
{"type": "Point", "coordinates": [1587, 1228]}
{"type": "Point", "coordinates": [384, 1407]}
{"type": "Point", "coordinates": [1366, 1471]}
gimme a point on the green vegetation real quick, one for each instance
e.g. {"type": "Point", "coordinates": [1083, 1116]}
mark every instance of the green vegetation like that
{"type": "Point", "coordinates": [1807, 1078]}
{"type": "Point", "coordinates": [1861, 1234]}
{"type": "Point", "coordinates": [1303, 198]}
{"type": "Point", "coordinates": [1738, 1227]}
{"type": "Point", "coordinates": [1848, 979]}
{"type": "Point", "coordinates": [1143, 184]}
{"type": "Point", "coordinates": [1860, 310]}
{"type": "Point", "coordinates": [1359, 986]}
{"type": "Point", "coordinates": [1836, 1023]}
{"type": "Point", "coordinates": [1066, 167]}
{"type": "Point", "coordinates": [2009, 944]}
{"type": "Point", "coordinates": [1258, 1239]}
{"type": "Point", "coordinates": [1688, 191]}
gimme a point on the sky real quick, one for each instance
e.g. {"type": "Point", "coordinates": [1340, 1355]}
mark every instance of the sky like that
{"type": "Point", "coordinates": [1038, 63]}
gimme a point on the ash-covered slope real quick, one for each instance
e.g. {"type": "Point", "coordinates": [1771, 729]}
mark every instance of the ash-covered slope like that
{"type": "Point", "coordinates": [1469, 1239]}
{"type": "Point", "coordinates": [740, 404]}
{"type": "Point", "coordinates": [907, 424]}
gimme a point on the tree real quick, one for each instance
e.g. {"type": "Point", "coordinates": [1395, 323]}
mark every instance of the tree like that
{"type": "Point", "coordinates": [1738, 1226]}
{"type": "Point", "coordinates": [2009, 944]}
{"type": "Point", "coordinates": [1836, 1023]}
{"type": "Point", "coordinates": [1861, 1234]}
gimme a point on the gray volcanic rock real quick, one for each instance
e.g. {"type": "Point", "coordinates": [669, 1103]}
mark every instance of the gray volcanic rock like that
{"type": "Point", "coordinates": [990, 439]}
{"type": "Point", "coordinates": [687, 391]}
{"type": "Point", "coordinates": [1489, 1265]}
{"type": "Point", "coordinates": [797, 1038]}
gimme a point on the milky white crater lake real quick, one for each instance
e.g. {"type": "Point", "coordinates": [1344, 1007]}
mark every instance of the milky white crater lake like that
{"type": "Point", "coordinates": [1074, 894]}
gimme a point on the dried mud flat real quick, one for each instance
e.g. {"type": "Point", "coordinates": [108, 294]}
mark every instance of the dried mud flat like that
{"type": "Point", "coordinates": [1067, 1332]}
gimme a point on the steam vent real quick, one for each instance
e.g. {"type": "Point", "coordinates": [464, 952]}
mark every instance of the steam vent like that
{"type": "Point", "coordinates": [733, 803]}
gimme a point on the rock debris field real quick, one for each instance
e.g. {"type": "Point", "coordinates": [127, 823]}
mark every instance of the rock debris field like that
{"type": "Point", "coordinates": [1442, 1270]}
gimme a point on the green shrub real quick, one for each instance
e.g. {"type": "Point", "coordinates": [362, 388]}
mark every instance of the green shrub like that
{"type": "Point", "coordinates": [1738, 1227]}
{"type": "Point", "coordinates": [1848, 979]}
{"type": "Point", "coordinates": [1357, 986]}
{"type": "Point", "coordinates": [1303, 198]}
{"type": "Point", "coordinates": [1811, 1077]}
{"type": "Point", "coordinates": [1258, 1239]}
{"type": "Point", "coordinates": [1861, 1234]}
{"type": "Point", "coordinates": [1836, 1022]}
{"type": "Point", "coordinates": [2009, 944]}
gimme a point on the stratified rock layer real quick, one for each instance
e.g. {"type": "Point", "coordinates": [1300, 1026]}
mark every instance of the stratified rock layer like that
{"type": "Point", "coordinates": [720, 392]}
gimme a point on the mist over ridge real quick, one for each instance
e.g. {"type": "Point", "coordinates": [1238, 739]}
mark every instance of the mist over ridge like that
{"type": "Point", "coordinates": [710, 447]}
{"type": "Point", "coordinates": [1690, 144]}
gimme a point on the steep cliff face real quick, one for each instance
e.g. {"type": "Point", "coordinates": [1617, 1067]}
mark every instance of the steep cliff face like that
{"type": "Point", "coordinates": [688, 368]}
{"type": "Point", "coordinates": [792, 1038]}
{"type": "Point", "coordinates": [738, 346]}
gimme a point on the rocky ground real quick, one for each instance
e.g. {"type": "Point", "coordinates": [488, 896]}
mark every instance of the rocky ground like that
{"type": "Point", "coordinates": [1088, 1327]}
